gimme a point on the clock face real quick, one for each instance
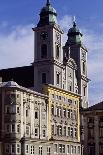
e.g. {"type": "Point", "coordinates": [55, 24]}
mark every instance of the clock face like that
{"type": "Point", "coordinates": [44, 35]}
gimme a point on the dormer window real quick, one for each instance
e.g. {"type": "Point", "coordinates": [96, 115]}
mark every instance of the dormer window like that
{"type": "Point", "coordinates": [44, 51]}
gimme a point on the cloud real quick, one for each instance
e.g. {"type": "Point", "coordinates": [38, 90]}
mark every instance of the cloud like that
{"type": "Point", "coordinates": [17, 49]}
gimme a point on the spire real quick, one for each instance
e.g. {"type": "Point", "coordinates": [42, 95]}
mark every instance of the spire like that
{"type": "Point", "coordinates": [48, 2]}
{"type": "Point", "coordinates": [74, 21]}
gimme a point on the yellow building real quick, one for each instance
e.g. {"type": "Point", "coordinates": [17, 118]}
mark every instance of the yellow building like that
{"type": "Point", "coordinates": [63, 122]}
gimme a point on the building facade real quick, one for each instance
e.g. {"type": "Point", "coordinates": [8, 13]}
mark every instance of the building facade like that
{"type": "Point", "coordinates": [93, 130]}
{"type": "Point", "coordinates": [33, 123]}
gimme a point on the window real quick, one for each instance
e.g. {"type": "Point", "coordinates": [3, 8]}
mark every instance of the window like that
{"type": "Point", "coordinates": [58, 111]}
{"type": "Point", "coordinates": [52, 109]}
{"type": "Point", "coordinates": [18, 110]}
{"type": "Point", "coordinates": [83, 67]}
{"type": "Point", "coordinates": [56, 148]}
{"type": "Point", "coordinates": [64, 112]}
{"type": "Point", "coordinates": [72, 149]}
{"type": "Point", "coordinates": [13, 127]}
{"type": "Point", "coordinates": [27, 148]}
{"type": "Point", "coordinates": [90, 132]}
{"type": "Point", "coordinates": [13, 148]}
{"type": "Point", "coordinates": [58, 81]}
{"type": "Point", "coordinates": [7, 148]}
{"type": "Point", "coordinates": [8, 128]}
{"type": "Point", "coordinates": [27, 112]}
{"type": "Point", "coordinates": [36, 132]}
{"type": "Point", "coordinates": [71, 132]}
{"type": "Point", "coordinates": [75, 149]}
{"type": "Point", "coordinates": [101, 148]}
{"type": "Point", "coordinates": [63, 148]}
{"type": "Point", "coordinates": [57, 51]}
{"type": "Point", "coordinates": [70, 101]}
{"type": "Point", "coordinates": [44, 51]}
{"type": "Point", "coordinates": [71, 114]}
{"type": "Point", "coordinates": [64, 130]}
{"type": "Point", "coordinates": [36, 115]}
{"type": "Point", "coordinates": [78, 149]}
{"type": "Point", "coordinates": [68, 113]}
{"type": "Point", "coordinates": [101, 119]}
{"type": "Point", "coordinates": [7, 110]}
{"type": "Point", "coordinates": [43, 77]}
{"type": "Point", "coordinates": [18, 95]}
{"type": "Point", "coordinates": [40, 150]}
{"type": "Point", "coordinates": [44, 133]}
{"type": "Point", "coordinates": [90, 120]}
{"type": "Point", "coordinates": [91, 149]}
{"type": "Point", "coordinates": [13, 109]}
{"type": "Point", "coordinates": [60, 130]}
{"type": "Point", "coordinates": [84, 91]}
{"type": "Point", "coordinates": [32, 149]}
{"type": "Point", "coordinates": [18, 148]}
{"type": "Point", "coordinates": [48, 150]}
{"type": "Point", "coordinates": [27, 130]}
{"type": "Point", "coordinates": [68, 131]}
{"type": "Point", "coordinates": [52, 129]}
{"type": "Point", "coordinates": [68, 149]}
{"type": "Point", "coordinates": [18, 128]}
{"type": "Point", "coordinates": [75, 115]}
{"type": "Point", "coordinates": [70, 88]}
{"type": "Point", "coordinates": [75, 133]}
{"type": "Point", "coordinates": [57, 127]}
{"type": "Point", "coordinates": [100, 132]}
{"type": "Point", "coordinates": [60, 148]}
{"type": "Point", "coordinates": [60, 98]}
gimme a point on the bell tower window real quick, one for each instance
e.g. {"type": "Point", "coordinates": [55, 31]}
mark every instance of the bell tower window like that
{"type": "Point", "coordinates": [57, 51]}
{"type": "Point", "coordinates": [58, 78]}
{"type": "Point", "coordinates": [44, 51]}
{"type": "Point", "coordinates": [44, 78]}
{"type": "Point", "coordinates": [83, 67]}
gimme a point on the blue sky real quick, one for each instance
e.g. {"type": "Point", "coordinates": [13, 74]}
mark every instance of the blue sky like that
{"type": "Point", "coordinates": [16, 36]}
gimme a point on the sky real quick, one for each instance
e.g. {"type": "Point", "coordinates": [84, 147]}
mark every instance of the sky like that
{"type": "Point", "coordinates": [16, 36]}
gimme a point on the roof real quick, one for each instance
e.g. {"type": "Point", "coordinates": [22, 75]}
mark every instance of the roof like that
{"type": "Point", "coordinates": [13, 84]}
{"type": "Point", "coordinates": [24, 75]}
{"type": "Point", "coordinates": [98, 106]}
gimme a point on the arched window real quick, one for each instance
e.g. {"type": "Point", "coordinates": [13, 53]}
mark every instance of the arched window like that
{"type": "Point", "coordinates": [57, 51]}
{"type": "Point", "coordinates": [44, 51]}
{"type": "Point", "coordinates": [84, 68]}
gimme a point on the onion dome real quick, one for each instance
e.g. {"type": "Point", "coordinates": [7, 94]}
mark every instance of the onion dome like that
{"type": "Point", "coordinates": [47, 15]}
{"type": "Point", "coordinates": [74, 35]}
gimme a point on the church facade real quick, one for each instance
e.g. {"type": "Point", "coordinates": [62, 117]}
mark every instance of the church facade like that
{"type": "Point", "coordinates": [46, 119]}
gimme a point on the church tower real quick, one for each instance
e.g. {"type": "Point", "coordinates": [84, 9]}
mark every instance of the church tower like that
{"type": "Point", "coordinates": [48, 57]}
{"type": "Point", "coordinates": [77, 51]}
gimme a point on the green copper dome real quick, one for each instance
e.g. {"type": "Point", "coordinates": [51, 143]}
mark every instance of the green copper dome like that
{"type": "Point", "coordinates": [47, 15]}
{"type": "Point", "coordinates": [49, 9]}
{"type": "Point", "coordinates": [74, 35]}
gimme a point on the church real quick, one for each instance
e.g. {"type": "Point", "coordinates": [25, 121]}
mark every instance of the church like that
{"type": "Point", "coordinates": [41, 103]}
